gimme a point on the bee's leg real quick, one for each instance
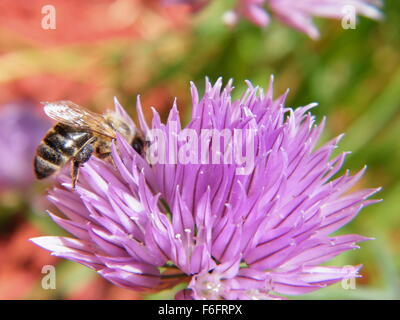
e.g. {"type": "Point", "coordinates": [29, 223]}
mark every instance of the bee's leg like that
{"type": "Point", "coordinates": [82, 156]}
{"type": "Point", "coordinates": [107, 155]}
{"type": "Point", "coordinates": [74, 172]}
{"type": "Point", "coordinates": [103, 151]}
{"type": "Point", "coordinates": [104, 155]}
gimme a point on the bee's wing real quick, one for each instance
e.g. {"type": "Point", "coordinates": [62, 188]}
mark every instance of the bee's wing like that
{"type": "Point", "coordinates": [76, 116]}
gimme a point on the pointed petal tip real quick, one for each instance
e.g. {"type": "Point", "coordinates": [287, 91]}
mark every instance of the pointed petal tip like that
{"type": "Point", "coordinates": [42, 241]}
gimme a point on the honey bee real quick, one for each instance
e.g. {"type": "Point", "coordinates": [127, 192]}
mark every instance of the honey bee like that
{"type": "Point", "coordinates": [78, 135]}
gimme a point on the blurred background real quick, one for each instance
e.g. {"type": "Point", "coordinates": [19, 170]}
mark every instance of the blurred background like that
{"type": "Point", "coordinates": [106, 48]}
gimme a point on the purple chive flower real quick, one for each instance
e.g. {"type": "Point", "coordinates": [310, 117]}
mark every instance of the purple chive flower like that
{"type": "Point", "coordinates": [259, 235]}
{"type": "Point", "coordinates": [21, 130]}
{"type": "Point", "coordinates": [299, 14]}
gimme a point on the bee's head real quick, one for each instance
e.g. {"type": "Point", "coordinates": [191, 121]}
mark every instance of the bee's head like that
{"type": "Point", "coordinates": [138, 144]}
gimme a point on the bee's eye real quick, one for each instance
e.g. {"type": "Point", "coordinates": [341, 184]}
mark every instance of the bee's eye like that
{"type": "Point", "coordinates": [138, 145]}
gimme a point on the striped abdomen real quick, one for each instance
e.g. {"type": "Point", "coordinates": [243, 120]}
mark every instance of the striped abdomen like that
{"type": "Point", "coordinates": [59, 145]}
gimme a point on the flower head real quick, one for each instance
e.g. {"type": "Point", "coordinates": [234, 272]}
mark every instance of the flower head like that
{"type": "Point", "coordinates": [229, 234]}
{"type": "Point", "coordinates": [299, 14]}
